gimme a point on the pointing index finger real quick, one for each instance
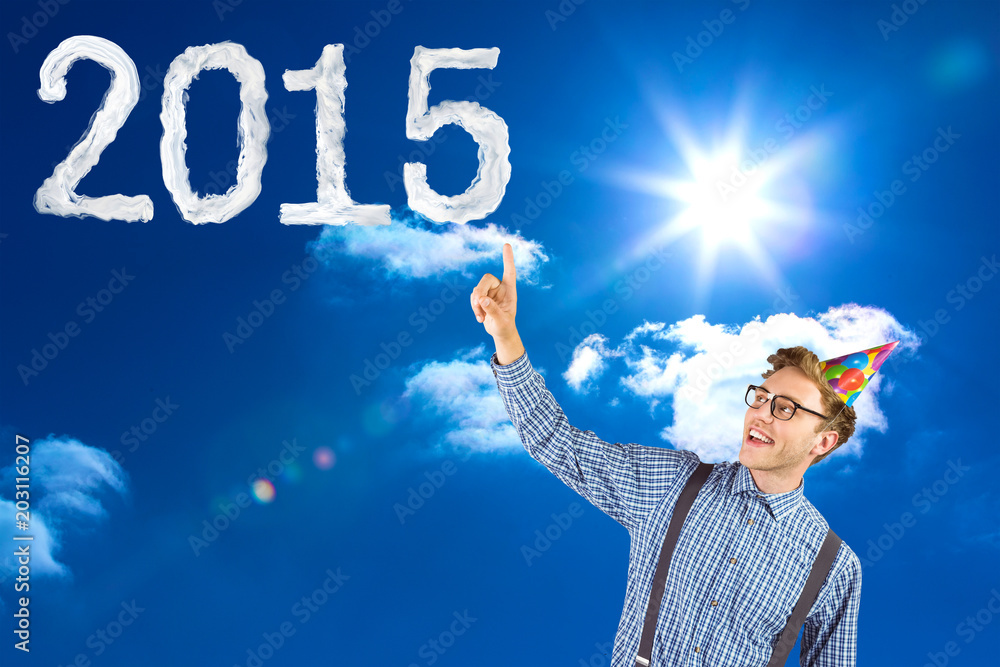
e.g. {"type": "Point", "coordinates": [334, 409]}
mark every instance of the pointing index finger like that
{"type": "Point", "coordinates": [509, 272]}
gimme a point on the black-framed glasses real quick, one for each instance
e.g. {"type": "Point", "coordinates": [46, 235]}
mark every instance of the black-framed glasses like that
{"type": "Point", "coordinates": [782, 407]}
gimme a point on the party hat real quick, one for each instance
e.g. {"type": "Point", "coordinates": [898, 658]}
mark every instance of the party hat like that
{"type": "Point", "coordinates": [849, 374]}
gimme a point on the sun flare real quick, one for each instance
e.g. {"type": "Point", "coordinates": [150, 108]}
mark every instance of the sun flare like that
{"type": "Point", "coordinates": [735, 194]}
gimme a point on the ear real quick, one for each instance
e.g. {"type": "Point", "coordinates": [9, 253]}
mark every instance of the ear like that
{"type": "Point", "coordinates": [826, 441]}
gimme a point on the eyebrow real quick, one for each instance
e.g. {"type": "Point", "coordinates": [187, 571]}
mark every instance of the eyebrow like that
{"type": "Point", "coordinates": [785, 395]}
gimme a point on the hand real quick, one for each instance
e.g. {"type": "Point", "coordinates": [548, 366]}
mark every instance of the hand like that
{"type": "Point", "coordinates": [498, 314]}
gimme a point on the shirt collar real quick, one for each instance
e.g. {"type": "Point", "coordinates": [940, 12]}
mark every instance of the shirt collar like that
{"type": "Point", "coordinates": [780, 504]}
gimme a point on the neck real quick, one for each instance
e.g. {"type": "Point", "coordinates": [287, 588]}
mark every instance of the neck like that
{"type": "Point", "coordinates": [776, 481]}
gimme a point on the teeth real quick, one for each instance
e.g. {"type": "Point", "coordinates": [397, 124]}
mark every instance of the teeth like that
{"type": "Point", "coordinates": [761, 436]}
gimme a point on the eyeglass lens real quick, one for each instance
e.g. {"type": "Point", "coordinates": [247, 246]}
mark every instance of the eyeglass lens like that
{"type": "Point", "coordinates": [783, 408]}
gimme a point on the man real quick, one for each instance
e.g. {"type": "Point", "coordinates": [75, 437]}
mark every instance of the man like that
{"type": "Point", "coordinates": [749, 542]}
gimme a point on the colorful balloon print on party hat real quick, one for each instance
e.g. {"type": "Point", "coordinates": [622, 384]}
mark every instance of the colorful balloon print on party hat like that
{"type": "Point", "coordinates": [849, 374]}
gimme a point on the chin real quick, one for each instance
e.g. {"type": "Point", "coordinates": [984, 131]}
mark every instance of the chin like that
{"type": "Point", "coordinates": [754, 460]}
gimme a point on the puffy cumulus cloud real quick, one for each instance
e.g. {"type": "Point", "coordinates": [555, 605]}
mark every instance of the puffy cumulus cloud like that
{"type": "Point", "coordinates": [68, 482]}
{"type": "Point", "coordinates": [704, 368]}
{"type": "Point", "coordinates": [43, 546]}
{"type": "Point", "coordinates": [409, 248]}
{"type": "Point", "coordinates": [464, 391]}
{"type": "Point", "coordinates": [588, 362]}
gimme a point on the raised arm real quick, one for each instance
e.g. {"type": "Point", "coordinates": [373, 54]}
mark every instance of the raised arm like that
{"type": "Point", "coordinates": [623, 480]}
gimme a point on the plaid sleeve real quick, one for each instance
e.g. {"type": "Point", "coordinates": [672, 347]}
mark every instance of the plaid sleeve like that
{"type": "Point", "coordinates": [830, 636]}
{"type": "Point", "coordinates": [625, 481]}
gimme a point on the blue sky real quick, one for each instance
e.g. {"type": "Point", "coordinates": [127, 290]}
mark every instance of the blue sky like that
{"type": "Point", "coordinates": [147, 427]}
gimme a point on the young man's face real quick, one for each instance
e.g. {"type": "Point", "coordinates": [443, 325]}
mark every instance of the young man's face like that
{"type": "Point", "coordinates": [794, 438]}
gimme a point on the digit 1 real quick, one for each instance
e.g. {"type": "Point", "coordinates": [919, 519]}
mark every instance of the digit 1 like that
{"type": "Point", "coordinates": [334, 205]}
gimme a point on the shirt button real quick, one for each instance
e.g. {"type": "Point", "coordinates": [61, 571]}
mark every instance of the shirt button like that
{"type": "Point", "coordinates": [696, 649]}
{"type": "Point", "coordinates": [732, 560]}
{"type": "Point", "coordinates": [715, 603]}
{"type": "Point", "coordinates": [750, 521]}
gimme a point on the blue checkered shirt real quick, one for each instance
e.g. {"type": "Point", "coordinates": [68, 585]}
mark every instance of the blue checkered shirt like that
{"type": "Point", "coordinates": [741, 560]}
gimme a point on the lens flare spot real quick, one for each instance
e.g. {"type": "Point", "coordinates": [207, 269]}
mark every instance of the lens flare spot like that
{"type": "Point", "coordinates": [394, 411]}
{"type": "Point", "coordinates": [324, 458]}
{"type": "Point", "coordinates": [373, 421]}
{"type": "Point", "coordinates": [217, 501]}
{"type": "Point", "coordinates": [292, 473]}
{"type": "Point", "coordinates": [959, 64]}
{"type": "Point", "coordinates": [263, 491]}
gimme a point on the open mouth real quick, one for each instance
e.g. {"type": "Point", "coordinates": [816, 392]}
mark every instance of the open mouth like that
{"type": "Point", "coordinates": [758, 439]}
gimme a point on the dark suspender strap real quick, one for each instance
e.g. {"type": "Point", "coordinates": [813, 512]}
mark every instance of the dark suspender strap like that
{"type": "Point", "coordinates": [820, 568]}
{"type": "Point", "coordinates": [681, 509]}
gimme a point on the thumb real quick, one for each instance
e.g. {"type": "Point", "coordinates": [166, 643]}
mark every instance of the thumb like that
{"type": "Point", "coordinates": [490, 306]}
{"type": "Point", "coordinates": [503, 321]}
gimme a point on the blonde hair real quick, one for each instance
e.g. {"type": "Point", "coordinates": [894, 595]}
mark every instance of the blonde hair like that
{"type": "Point", "coordinates": [806, 361]}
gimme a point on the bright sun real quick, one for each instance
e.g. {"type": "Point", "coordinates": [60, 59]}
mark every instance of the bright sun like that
{"type": "Point", "coordinates": [730, 195]}
{"type": "Point", "coordinates": [723, 200]}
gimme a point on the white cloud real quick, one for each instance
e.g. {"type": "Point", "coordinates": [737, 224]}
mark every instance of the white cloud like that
{"type": "Point", "coordinates": [67, 481]}
{"type": "Point", "coordinates": [411, 249]}
{"type": "Point", "coordinates": [43, 546]}
{"type": "Point", "coordinates": [705, 368]}
{"type": "Point", "coordinates": [588, 364]}
{"type": "Point", "coordinates": [464, 391]}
